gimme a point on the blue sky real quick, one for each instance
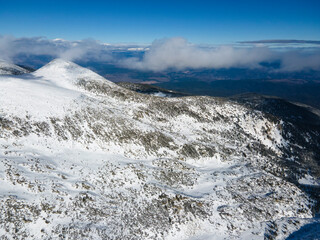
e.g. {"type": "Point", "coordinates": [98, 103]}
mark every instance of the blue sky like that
{"type": "Point", "coordinates": [212, 22]}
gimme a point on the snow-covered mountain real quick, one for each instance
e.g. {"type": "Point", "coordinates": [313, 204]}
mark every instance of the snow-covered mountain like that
{"type": "Point", "coordinates": [83, 158]}
{"type": "Point", "coordinates": [11, 69]}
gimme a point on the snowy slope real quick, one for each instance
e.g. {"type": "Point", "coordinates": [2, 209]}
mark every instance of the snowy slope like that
{"type": "Point", "coordinates": [83, 158]}
{"type": "Point", "coordinates": [50, 91]}
{"type": "Point", "coordinates": [11, 69]}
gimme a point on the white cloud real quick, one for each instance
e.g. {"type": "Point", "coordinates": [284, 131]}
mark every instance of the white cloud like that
{"type": "Point", "coordinates": [6, 51]}
{"type": "Point", "coordinates": [69, 50]}
{"type": "Point", "coordinates": [163, 54]}
{"type": "Point", "coordinates": [178, 54]}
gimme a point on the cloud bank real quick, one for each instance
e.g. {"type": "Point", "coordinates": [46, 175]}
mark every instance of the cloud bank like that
{"type": "Point", "coordinates": [178, 54]}
{"type": "Point", "coordinates": [284, 41]}
{"type": "Point", "coordinates": [10, 47]}
{"type": "Point", "coordinates": [166, 54]}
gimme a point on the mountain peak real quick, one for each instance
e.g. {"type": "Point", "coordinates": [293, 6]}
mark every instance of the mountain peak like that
{"type": "Point", "coordinates": [61, 62]}
{"type": "Point", "coordinates": [68, 74]}
{"type": "Point", "coordinates": [50, 90]}
{"type": "Point", "coordinates": [60, 65]}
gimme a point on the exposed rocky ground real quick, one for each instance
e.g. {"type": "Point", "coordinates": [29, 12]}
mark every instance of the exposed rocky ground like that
{"type": "Point", "coordinates": [83, 158]}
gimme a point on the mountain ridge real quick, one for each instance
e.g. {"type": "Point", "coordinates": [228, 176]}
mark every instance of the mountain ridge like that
{"type": "Point", "coordinates": [90, 159]}
{"type": "Point", "coordinates": [7, 68]}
